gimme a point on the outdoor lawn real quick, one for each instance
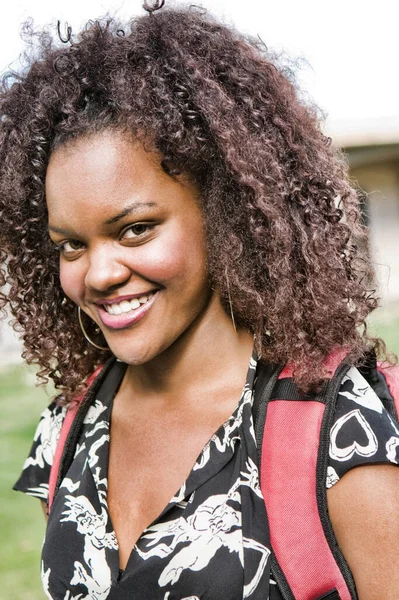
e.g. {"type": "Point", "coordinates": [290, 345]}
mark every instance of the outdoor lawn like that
{"type": "Point", "coordinates": [21, 519]}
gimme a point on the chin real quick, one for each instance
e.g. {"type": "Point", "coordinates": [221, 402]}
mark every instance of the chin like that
{"type": "Point", "coordinates": [133, 358]}
{"type": "Point", "coordinates": [136, 354]}
{"type": "Point", "coordinates": [140, 347]}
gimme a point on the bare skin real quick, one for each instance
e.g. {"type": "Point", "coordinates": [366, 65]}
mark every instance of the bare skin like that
{"type": "Point", "coordinates": [364, 509]}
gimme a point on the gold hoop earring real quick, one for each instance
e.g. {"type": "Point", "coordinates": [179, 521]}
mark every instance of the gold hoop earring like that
{"type": "Point", "coordinates": [230, 302]}
{"type": "Point", "coordinates": [85, 333]}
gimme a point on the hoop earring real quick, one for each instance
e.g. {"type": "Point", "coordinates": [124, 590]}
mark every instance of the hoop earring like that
{"type": "Point", "coordinates": [85, 333]}
{"type": "Point", "coordinates": [230, 302]}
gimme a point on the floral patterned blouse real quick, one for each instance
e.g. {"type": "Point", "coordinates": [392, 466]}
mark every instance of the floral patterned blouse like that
{"type": "Point", "coordinates": [211, 541]}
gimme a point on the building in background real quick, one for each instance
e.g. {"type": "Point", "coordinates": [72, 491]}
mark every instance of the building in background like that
{"type": "Point", "coordinates": [372, 149]}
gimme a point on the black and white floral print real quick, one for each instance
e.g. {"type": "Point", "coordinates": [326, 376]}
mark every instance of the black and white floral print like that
{"type": "Point", "coordinates": [211, 541]}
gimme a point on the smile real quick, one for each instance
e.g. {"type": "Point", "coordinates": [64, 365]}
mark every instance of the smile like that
{"type": "Point", "coordinates": [127, 306]}
{"type": "Point", "coordinates": [119, 315]}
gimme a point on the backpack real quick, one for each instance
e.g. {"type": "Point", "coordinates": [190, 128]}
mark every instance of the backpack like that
{"type": "Point", "coordinates": [292, 435]}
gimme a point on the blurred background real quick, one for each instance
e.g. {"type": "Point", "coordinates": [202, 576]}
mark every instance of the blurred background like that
{"type": "Point", "coordinates": [345, 55]}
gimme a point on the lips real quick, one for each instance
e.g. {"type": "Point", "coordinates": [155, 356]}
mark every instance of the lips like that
{"type": "Point", "coordinates": [128, 311]}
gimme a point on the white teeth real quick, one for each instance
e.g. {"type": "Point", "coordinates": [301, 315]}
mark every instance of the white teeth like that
{"type": "Point", "coordinates": [117, 309]}
{"type": "Point", "coordinates": [126, 305]}
{"type": "Point", "coordinates": [134, 303]}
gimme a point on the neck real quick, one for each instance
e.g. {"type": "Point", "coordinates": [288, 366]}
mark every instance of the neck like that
{"type": "Point", "coordinates": [209, 352]}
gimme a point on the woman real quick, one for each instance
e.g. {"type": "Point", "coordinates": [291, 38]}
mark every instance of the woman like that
{"type": "Point", "coordinates": [168, 201]}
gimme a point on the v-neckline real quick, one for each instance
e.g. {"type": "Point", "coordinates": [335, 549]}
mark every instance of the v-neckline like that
{"type": "Point", "coordinates": [229, 432]}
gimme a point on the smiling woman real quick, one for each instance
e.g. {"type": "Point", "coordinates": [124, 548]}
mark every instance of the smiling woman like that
{"type": "Point", "coordinates": [132, 243]}
{"type": "Point", "coordinates": [173, 219]}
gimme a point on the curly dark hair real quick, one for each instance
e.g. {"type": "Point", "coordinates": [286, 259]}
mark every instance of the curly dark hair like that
{"type": "Point", "coordinates": [281, 217]}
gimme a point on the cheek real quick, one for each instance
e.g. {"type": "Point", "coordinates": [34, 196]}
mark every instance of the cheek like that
{"type": "Point", "coordinates": [181, 261]}
{"type": "Point", "coordinates": [72, 281]}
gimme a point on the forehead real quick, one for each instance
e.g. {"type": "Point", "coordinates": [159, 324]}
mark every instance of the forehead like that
{"type": "Point", "coordinates": [99, 161]}
{"type": "Point", "coordinates": [106, 171]}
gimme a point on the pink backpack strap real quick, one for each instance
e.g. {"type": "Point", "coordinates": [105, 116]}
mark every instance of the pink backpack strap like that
{"type": "Point", "coordinates": [391, 376]}
{"type": "Point", "coordinates": [293, 464]}
{"type": "Point", "coordinates": [72, 409]}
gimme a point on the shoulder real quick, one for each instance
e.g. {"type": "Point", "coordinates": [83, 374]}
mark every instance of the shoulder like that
{"type": "Point", "coordinates": [47, 434]}
{"type": "Point", "coordinates": [362, 431]}
{"type": "Point", "coordinates": [363, 501]}
{"type": "Point", "coordinates": [364, 512]}
{"type": "Point", "coordinates": [37, 466]}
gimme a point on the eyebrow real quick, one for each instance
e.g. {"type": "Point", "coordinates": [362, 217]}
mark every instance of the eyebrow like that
{"type": "Point", "coordinates": [126, 211]}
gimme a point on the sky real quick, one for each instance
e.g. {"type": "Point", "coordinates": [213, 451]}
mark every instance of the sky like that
{"type": "Point", "coordinates": [347, 49]}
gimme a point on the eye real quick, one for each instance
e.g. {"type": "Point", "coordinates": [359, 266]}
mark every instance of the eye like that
{"type": "Point", "coordinates": [70, 248]}
{"type": "Point", "coordinates": [72, 245]}
{"type": "Point", "coordinates": [137, 230]}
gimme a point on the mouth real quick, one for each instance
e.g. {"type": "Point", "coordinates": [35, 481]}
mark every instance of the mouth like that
{"type": "Point", "coordinates": [122, 314]}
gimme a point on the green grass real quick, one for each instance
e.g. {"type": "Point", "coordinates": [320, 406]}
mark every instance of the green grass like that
{"type": "Point", "coordinates": [21, 518]}
{"type": "Point", "coordinates": [385, 324]}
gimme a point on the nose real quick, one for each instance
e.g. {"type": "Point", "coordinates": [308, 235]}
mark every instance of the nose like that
{"type": "Point", "coordinates": [106, 269]}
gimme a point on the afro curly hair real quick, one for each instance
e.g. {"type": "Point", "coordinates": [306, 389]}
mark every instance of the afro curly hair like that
{"type": "Point", "coordinates": [281, 216]}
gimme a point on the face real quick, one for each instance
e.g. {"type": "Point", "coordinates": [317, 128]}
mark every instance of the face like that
{"type": "Point", "coordinates": [131, 242]}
